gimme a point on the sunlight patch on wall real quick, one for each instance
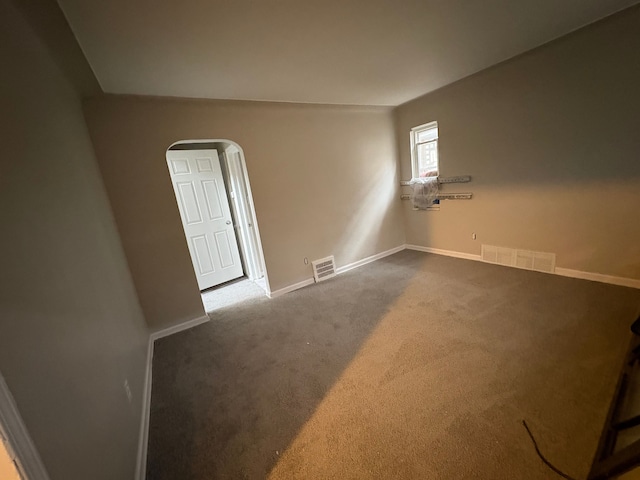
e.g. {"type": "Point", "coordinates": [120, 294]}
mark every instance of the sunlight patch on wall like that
{"type": "Point", "coordinates": [362, 232]}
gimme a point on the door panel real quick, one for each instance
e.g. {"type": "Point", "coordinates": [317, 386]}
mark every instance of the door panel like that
{"type": "Point", "coordinates": [206, 217]}
{"type": "Point", "coordinates": [189, 202]}
{"type": "Point", "coordinates": [222, 242]}
{"type": "Point", "coordinates": [212, 195]}
{"type": "Point", "coordinates": [180, 167]}
{"type": "Point", "coordinates": [204, 165]}
{"type": "Point", "coordinates": [203, 255]}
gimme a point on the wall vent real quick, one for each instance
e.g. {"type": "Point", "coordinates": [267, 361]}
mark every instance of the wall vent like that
{"type": "Point", "coordinates": [512, 257]}
{"type": "Point", "coordinates": [323, 268]}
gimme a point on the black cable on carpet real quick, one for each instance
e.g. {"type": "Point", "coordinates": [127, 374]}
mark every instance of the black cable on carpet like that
{"type": "Point", "coordinates": [546, 462]}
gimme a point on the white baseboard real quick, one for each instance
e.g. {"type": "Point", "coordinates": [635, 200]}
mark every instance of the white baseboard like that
{"type": "Point", "coordinates": [598, 277]}
{"type": "Point", "coordinates": [565, 272]}
{"type": "Point", "coordinates": [372, 258]}
{"type": "Point", "coordinates": [143, 442]}
{"type": "Point", "coordinates": [165, 332]}
{"type": "Point", "coordinates": [19, 443]}
{"type": "Point", "coordinates": [290, 288]}
{"type": "Point", "coordinates": [339, 270]}
{"type": "Point", "coordinates": [447, 253]}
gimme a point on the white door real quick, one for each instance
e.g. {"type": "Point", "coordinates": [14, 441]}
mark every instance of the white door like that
{"type": "Point", "coordinates": [202, 200]}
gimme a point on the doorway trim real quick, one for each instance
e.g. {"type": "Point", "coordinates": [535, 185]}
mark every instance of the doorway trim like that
{"type": "Point", "coordinates": [17, 439]}
{"type": "Point", "coordinates": [258, 254]}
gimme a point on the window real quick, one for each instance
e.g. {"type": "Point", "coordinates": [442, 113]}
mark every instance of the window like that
{"type": "Point", "coordinates": [424, 150]}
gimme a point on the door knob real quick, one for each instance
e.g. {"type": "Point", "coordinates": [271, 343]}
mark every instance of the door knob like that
{"type": "Point", "coordinates": [228, 222]}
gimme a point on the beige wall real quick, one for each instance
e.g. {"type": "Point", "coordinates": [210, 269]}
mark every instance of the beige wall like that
{"type": "Point", "coordinates": [323, 179]}
{"type": "Point", "coordinates": [50, 25]}
{"type": "Point", "coordinates": [551, 140]}
{"type": "Point", "coordinates": [631, 475]}
{"type": "Point", "coordinates": [71, 329]}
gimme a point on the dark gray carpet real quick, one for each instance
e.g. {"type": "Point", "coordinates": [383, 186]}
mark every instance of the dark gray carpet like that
{"type": "Point", "coordinates": [415, 366]}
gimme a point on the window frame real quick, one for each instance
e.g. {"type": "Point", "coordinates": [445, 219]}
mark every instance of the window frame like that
{"type": "Point", "coordinates": [415, 131]}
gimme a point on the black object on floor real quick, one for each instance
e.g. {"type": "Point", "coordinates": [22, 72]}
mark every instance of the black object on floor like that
{"type": "Point", "coordinates": [542, 457]}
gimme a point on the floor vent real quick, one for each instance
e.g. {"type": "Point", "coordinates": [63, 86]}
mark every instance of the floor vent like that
{"type": "Point", "coordinates": [511, 257]}
{"type": "Point", "coordinates": [324, 269]}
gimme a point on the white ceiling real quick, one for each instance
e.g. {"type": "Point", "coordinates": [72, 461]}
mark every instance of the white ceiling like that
{"type": "Point", "coordinates": [373, 52]}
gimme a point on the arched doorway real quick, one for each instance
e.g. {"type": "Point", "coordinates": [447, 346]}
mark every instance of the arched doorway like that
{"type": "Point", "coordinates": [216, 207]}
